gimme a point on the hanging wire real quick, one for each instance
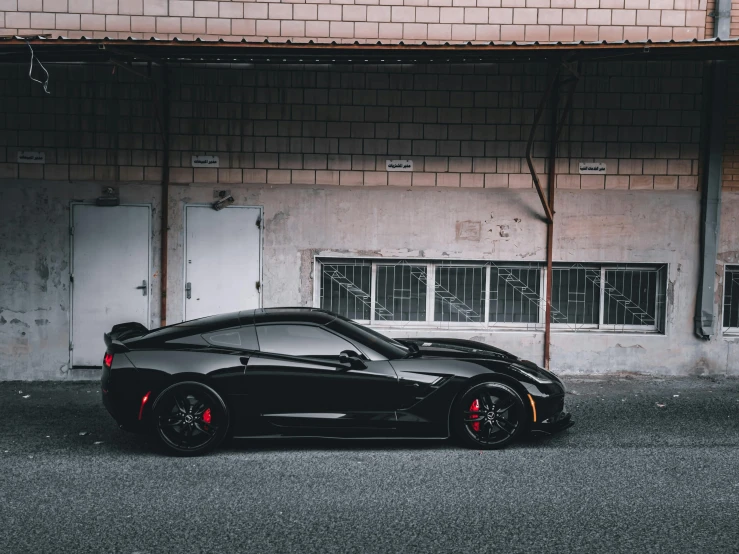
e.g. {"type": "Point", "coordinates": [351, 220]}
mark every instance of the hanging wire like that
{"type": "Point", "coordinates": [45, 84]}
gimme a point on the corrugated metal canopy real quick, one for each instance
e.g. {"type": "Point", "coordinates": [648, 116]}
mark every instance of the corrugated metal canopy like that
{"type": "Point", "coordinates": [60, 49]}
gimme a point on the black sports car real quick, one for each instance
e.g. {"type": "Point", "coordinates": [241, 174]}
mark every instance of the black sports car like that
{"type": "Point", "coordinates": [306, 372]}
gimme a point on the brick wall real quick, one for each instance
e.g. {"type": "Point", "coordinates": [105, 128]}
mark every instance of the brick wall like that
{"type": "Point", "coordinates": [710, 7]}
{"type": "Point", "coordinates": [330, 125]}
{"type": "Point", "coordinates": [361, 20]}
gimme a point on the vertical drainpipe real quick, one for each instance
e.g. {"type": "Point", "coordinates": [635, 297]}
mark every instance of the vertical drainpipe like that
{"type": "Point", "coordinates": [705, 309]}
{"type": "Point", "coordinates": [722, 19]}
{"type": "Point", "coordinates": [705, 306]}
{"type": "Point", "coordinates": [165, 193]}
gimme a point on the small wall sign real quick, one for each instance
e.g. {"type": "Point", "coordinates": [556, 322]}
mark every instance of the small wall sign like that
{"type": "Point", "coordinates": [399, 165]}
{"type": "Point", "coordinates": [31, 157]}
{"type": "Point", "coordinates": [592, 168]}
{"type": "Point", "coordinates": [206, 161]}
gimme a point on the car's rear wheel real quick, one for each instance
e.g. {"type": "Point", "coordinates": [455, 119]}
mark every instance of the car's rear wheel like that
{"type": "Point", "coordinates": [488, 416]}
{"type": "Point", "coordinates": [190, 419]}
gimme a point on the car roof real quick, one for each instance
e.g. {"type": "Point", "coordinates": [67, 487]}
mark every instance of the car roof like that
{"type": "Point", "coordinates": [233, 319]}
{"type": "Point", "coordinates": [262, 315]}
{"type": "Point", "coordinates": [286, 314]}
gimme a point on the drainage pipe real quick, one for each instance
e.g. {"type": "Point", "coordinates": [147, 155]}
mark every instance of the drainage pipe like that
{"type": "Point", "coordinates": [705, 306]}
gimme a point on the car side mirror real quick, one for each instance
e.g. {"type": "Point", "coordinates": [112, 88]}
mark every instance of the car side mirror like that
{"type": "Point", "coordinates": [352, 359]}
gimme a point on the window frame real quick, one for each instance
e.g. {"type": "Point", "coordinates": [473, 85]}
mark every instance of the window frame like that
{"type": "Point", "coordinates": [487, 324]}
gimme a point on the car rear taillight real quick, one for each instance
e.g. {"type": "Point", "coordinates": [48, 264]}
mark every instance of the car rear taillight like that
{"type": "Point", "coordinates": [108, 360]}
{"type": "Point", "coordinates": [144, 400]}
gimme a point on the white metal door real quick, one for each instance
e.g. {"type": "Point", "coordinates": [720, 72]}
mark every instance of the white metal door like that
{"type": "Point", "coordinates": [222, 260]}
{"type": "Point", "coordinates": [110, 275]}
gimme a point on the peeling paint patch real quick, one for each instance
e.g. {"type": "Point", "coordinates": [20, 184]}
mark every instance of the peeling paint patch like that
{"type": "Point", "coordinates": [469, 230]}
{"type": "Point", "coordinates": [16, 321]}
{"type": "Point", "coordinates": [41, 321]}
{"type": "Point", "coordinates": [503, 231]}
{"type": "Point", "coordinates": [3, 321]}
{"type": "Point", "coordinates": [619, 345]}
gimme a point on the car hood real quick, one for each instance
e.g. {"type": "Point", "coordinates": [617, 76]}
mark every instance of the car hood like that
{"type": "Point", "coordinates": [459, 348]}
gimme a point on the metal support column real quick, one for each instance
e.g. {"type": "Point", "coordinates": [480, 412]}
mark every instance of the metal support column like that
{"type": "Point", "coordinates": [705, 307]}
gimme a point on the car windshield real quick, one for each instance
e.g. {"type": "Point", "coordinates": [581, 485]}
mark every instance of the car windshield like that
{"type": "Point", "coordinates": [386, 346]}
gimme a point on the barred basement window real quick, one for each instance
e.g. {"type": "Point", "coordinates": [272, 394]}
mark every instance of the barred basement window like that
{"type": "Point", "coordinates": [731, 300]}
{"type": "Point", "coordinates": [631, 296]}
{"type": "Point", "coordinates": [345, 289]}
{"type": "Point", "coordinates": [615, 298]}
{"type": "Point", "coordinates": [459, 294]}
{"type": "Point", "coordinates": [576, 295]}
{"type": "Point", "coordinates": [515, 295]}
{"type": "Point", "coordinates": [401, 292]}
{"type": "Point", "coordinates": [487, 294]}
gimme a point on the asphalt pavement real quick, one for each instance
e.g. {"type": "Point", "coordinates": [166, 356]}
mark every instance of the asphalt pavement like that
{"type": "Point", "coordinates": [651, 465]}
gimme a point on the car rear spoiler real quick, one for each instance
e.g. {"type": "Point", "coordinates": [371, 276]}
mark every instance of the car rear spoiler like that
{"type": "Point", "coordinates": [121, 332]}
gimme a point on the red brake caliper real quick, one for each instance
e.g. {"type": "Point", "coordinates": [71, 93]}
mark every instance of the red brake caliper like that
{"type": "Point", "coordinates": [475, 407]}
{"type": "Point", "coordinates": [206, 416]}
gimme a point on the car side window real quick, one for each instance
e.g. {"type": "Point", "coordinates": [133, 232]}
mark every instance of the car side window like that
{"type": "Point", "coordinates": [241, 338]}
{"type": "Point", "coordinates": [301, 340]}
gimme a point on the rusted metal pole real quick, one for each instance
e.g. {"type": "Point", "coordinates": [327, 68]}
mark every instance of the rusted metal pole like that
{"type": "Point", "coordinates": [165, 194]}
{"type": "Point", "coordinates": [551, 95]}
{"type": "Point", "coordinates": [530, 146]}
{"type": "Point", "coordinates": [554, 106]}
{"type": "Point", "coordinates": [557, 127]}
{"type": "Point", "coordinates": [161, 110]}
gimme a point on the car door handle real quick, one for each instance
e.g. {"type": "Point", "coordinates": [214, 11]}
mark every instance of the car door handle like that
{"type": "Point", "coordinates": [143, 287]}
{"type": "Point", "coordinates": [188, 290]}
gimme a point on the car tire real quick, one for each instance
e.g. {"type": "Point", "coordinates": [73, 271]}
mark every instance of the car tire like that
{"type": "Point", "coordinates": [488, 416]}
{"type": "Point", "coordinates": [189, 419]}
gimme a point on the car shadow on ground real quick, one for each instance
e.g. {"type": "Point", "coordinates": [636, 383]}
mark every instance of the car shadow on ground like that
{"type": "Point", "coordinates": [340, 444]}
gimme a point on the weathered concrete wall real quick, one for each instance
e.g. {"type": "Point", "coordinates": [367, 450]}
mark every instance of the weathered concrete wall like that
{"type": "Point", "coordinates": [301, 222]}
{"type": "Point", "coordinates": [592, 226]}
{"type": "Point", "coordinates": [34, 273]}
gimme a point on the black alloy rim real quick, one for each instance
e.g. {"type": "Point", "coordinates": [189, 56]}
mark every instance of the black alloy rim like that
{"type": "Point", "coordinates": [491, 416]}
{"type": "Point", "coordinates": [188, 423]}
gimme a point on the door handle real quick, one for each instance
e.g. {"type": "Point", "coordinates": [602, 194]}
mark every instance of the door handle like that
{"type": "Point", "coordinates": [143, 287]}
{"type": "Point", "coordinates": [188, 290]}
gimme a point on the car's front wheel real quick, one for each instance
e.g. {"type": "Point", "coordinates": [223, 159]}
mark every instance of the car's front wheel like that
{"type": "Point", "coordinates": [190, 419]}
{"type": "Point", "coordinates": [488, 416]}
